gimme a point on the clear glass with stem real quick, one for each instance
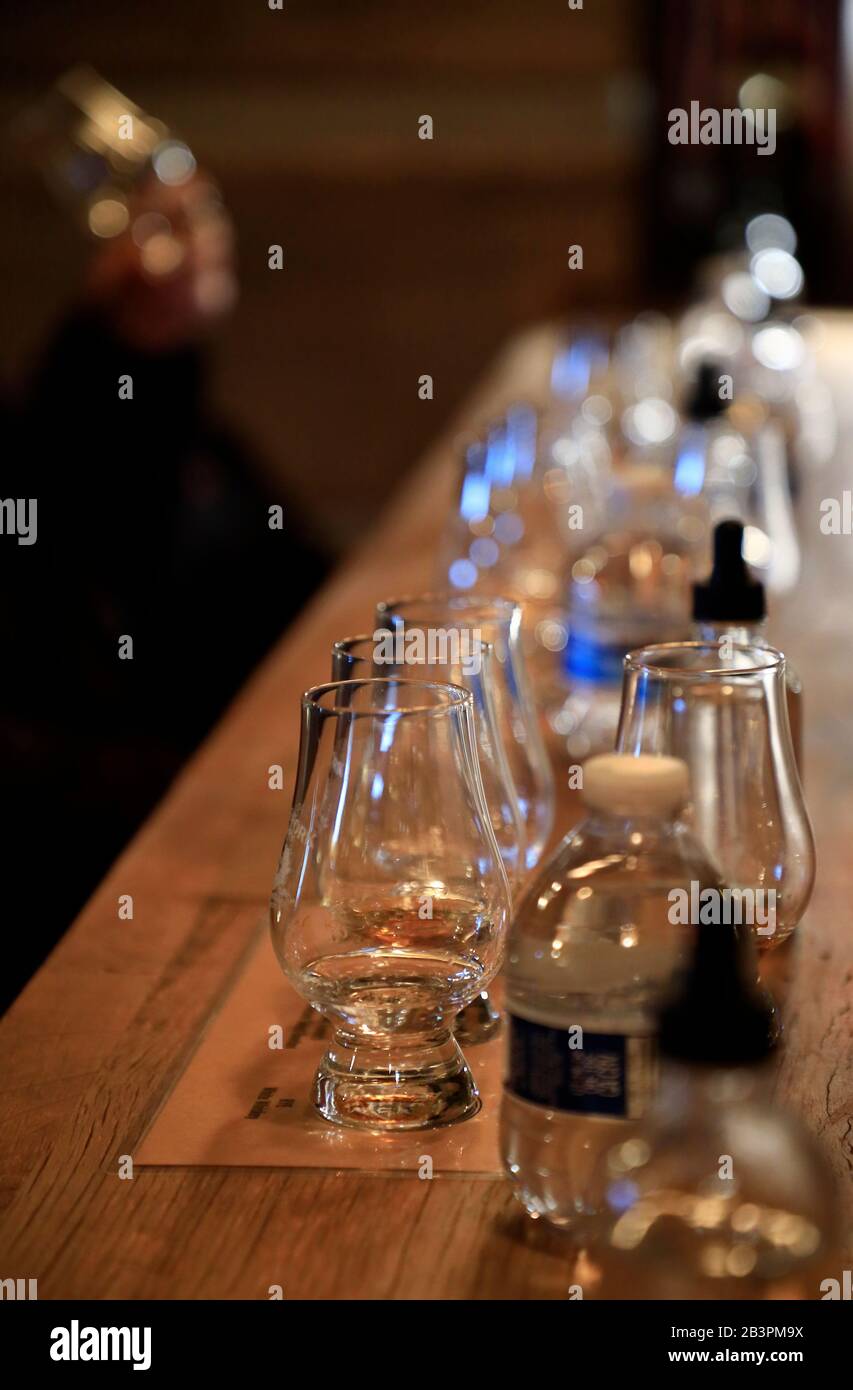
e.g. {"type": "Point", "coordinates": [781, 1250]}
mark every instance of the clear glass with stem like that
{"type": "Point", "coordinates": [722, 708]}
{"type": "Point", "coordinates": [475, 670]}
{"type": "Point", "coordinates": [469, 617]}
{"type": "Point", "coordinates": [363, 655]}
{"type": "Point", "coordinates": [509, 531]}
{"type": "Point", "coordinates": [390, 905]}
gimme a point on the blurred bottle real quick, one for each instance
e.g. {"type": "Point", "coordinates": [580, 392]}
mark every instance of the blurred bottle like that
{"type": "Point", "coordinates": [712, 457]}
{"type": "Point", "coordinates": [511, 525]}
{"type": "Point", "coordinates": [733, 453]}
{"type": "Point", "coordinates": [582, 369]}
{"type": "Point", "coordinates": [620, 409]}
{"type": "Point", "coordinates": [589, 954]}
{"type": "Point", "coordinates": [510, 529]}
{"type": "Point", "coordinates": [630, 585]}
{"type": "Point", "coordinates": [730, 605]}
{"type": "Point", "coordinates": [719, 1194]}
{"type": "Point", "coordinates": [533, 488]}
{"type": "Point", "coordinates": [749, 316]}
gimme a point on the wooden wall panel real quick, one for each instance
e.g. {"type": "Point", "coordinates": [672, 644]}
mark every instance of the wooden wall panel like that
{"type": "Point", "coordinates": [402, 256]}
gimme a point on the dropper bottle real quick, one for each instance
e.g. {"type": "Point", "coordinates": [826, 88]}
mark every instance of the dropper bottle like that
{"type": "Point", "coordinates": [720, 1193]}
{"type": "Point", "coordinates": [730, 605]}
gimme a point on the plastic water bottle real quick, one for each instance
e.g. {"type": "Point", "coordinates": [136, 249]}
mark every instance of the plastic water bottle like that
{"type": "Point", "coordinates": [591, 952]}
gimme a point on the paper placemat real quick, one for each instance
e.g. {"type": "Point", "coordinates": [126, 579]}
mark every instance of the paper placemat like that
{"type": "Point", "coordinates": [240, 1103]}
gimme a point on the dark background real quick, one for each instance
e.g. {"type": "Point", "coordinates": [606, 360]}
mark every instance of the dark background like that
{"type": "Point", "coordinates": [405, 256]}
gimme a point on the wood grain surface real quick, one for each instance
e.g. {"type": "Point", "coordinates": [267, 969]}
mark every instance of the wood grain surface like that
{"type": "Point", "coordinates": [92, 1047]}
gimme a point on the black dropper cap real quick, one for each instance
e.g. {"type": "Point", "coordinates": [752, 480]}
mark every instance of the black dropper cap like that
{"type": "Point", "coordinates": [719, 1016]}
{"type": "Point", "coordinates": [703, 399]}
{"type": "Point", "coordinates": [730, 594]}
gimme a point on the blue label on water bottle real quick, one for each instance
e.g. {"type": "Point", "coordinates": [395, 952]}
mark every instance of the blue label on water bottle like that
{"type": "Point", "coordinates": [575, 1070]}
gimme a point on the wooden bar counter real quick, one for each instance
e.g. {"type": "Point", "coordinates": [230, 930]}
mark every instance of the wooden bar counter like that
{"type": "Point", "coordinates": [97, 1040]}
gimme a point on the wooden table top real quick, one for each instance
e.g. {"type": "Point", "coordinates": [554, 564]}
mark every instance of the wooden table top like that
{"type": "Point", "coordinates": [98, 1038]}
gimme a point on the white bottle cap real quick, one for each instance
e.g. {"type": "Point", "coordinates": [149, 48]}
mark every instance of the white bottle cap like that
{"type": "Point", "coordinates": [643, 785]}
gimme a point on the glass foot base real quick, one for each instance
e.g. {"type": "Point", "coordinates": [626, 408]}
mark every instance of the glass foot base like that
{"type": "Point", "coordinates": [368, 1086]}
{"type": "Point", "coordinates": [477, 1022]}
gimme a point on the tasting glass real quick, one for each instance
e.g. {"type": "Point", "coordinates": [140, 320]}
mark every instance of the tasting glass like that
{"type": "Point", "coordinates": [363, 656]}
{"type": "Point", "coordinates": [357, 656]}
{"type": "Point", "coordinates": [722, 707]}
{"type": "Point", "coordinates": [390, 904]}
{"type": "Point", "coordinates": [498, 621]}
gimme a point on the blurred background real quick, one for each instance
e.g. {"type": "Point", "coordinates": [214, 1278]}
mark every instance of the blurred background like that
{"type": "Point", "coordinates": [549, 130]}
{"type": "Point", "coordinates": [401, 257]}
